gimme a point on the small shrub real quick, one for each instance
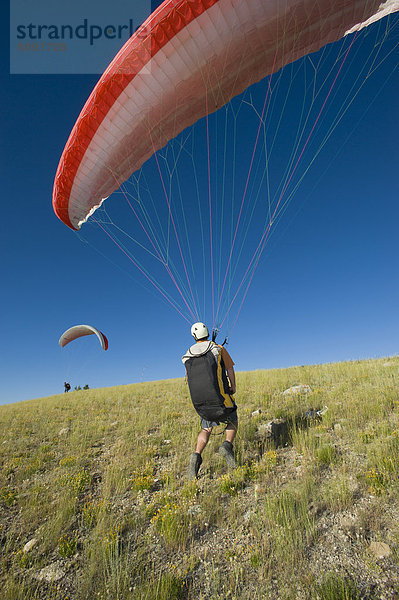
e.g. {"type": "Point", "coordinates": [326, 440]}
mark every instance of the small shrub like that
{"type": "Point", "coordinates": [8, 495]}
{"type": "Point", "coordinates": [67, 545]}
{"type": "Point", "coordinates": [68, 461]}
{"type": "Point", "coordinates": [143, 478]}
{"type": "Point", "coordinates": [110, 542]}
{"type": "Point", "coordinates": [255, 560]}
{"type": "Point", "coordinates": [190, 491]}
{"type": "Point", "coordinates": [23, 559]}
{"type": "Point", "coordinates": [376, 481]}
{"type": "Point", "coordinates": [166, 586]}
{"type": "Point", "coordinates": [76, 482]}
{"type": "Point", "coordinates": [91, 511]}
{"type": "Point", "coordinates": [326, 454]}
{"type": "Point", "coordinates": [111, 562]}
{"type": "Point", "coordinates": [335, 587]}
{"type": "Point", "coordinates": [368, 435]}
{"type": "Point", "coordinates": [265, 465]}
{"type": "Point", "coordinates": [232, 483]}
{"type": "Point", "coordinates": [170, 587]}
{"type": "Point", "coordinates": [172, 522]}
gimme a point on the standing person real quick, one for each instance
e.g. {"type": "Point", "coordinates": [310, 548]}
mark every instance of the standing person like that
{"type": "Point", "coordinates": [211, 380]}
{"type": "Point", "coordinates": [67, 387]}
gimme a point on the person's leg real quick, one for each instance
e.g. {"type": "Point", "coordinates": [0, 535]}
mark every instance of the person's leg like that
{"type": "Point", "coordinates": [203, 439]}
{"type": "Point", "coordinates": [226, 449]}
{"type": "Point", "coordinates": [231, 431]}
{"type": "Point", "coordinates": [195, 460]}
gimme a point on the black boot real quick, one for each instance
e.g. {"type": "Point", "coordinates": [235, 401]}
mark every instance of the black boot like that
{"type": "Point", "coordinates": [226, 450]}
{"type": "Point", "coordinates": [194, 463]}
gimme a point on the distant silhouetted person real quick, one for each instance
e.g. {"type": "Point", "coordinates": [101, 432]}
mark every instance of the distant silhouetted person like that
{"type": "Point", "coordinates": [67, 387]}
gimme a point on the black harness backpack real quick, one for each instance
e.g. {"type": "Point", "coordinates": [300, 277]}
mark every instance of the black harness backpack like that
{"type": "Point", "coordinates": [209, 386]}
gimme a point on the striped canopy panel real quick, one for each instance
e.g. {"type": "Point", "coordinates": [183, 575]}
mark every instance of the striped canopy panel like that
{"type": "Point", "coordinates": [189, 58]}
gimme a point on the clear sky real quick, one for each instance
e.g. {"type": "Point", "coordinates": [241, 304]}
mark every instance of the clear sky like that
{"type": "Point", "coordinates": [326, 287]}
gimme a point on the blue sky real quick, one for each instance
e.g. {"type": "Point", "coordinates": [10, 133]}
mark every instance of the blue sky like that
{"type": "Point", "coordinates": [326, 288]}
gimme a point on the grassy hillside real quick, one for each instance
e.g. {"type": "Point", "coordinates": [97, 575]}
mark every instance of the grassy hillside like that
{"type": "Point", "coordinates": [94, 482]}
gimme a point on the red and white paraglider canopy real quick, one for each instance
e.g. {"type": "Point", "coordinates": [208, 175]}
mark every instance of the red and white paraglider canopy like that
{"type": "Point", "coordinates": [78, 331]}
{"type": "Point", "coordinates": [188, 59]}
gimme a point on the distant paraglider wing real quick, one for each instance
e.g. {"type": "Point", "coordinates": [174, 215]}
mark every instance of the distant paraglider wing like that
{"type": "Point", "coordinates": [188, 59]}
{"type": "Point", "coordinates": [79, 331]}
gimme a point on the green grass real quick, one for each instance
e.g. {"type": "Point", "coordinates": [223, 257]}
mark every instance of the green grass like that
{"type": "Point", "coordinates": [97, 477]}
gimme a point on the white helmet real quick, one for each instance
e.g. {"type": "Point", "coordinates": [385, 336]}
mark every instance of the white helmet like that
{"type": "Point", "coordinates": [199, 331]}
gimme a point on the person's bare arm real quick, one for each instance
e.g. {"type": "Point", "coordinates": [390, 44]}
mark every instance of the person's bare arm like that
{"type": "Point", "coordinates": [232, 378]}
